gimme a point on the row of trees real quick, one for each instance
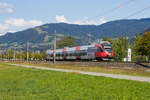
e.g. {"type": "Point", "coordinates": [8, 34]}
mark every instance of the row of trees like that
{"type": "Point", "coordinates": [21, 55]}
{"type": "Point", "coordinates": [140, 46]}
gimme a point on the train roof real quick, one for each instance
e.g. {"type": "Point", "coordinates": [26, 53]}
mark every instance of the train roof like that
{"type": "Point", "coordinates": [84, 47]}
{"type": "Point", "coordinates": [104, 42]}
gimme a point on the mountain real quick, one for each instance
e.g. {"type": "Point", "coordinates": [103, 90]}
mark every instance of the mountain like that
{"type": "Point", "coordinates": [41, 36]}
{"type": "Point", "coordinates": [148, 30]}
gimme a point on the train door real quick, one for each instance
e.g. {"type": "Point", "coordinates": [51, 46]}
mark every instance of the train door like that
{"type": "Point", "coordinates": [99, 52]}
{"type": "Point", "coordinates": [91, 52]}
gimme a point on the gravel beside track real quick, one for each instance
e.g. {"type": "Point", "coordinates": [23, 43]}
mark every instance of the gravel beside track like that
{"type": "Point", "coordinates": [93, 63]}
{"type": "Point", "coordinates": [137, 78]}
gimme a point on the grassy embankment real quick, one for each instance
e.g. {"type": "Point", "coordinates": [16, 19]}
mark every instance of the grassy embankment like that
{"type": "Point", "coordinates": [33, 84]}
{"type": "Point", "coordinates": [135, 71]}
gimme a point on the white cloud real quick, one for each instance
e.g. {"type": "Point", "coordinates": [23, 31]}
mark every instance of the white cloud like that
{"type": "Point", "coordinates": [22, 23]}
{"type": "Point", "coordinates": [84, 21]}
{"type": "Point", "coordinates": [3, 29]}
{"type": "Point", "coordinates": [102, 20]}
{"type": "Point", "coordinates": [61, 19]}
{"type": "Point", "coordinates": [6, 8]}
{"type": "Point", "coordinates": [14, 24]}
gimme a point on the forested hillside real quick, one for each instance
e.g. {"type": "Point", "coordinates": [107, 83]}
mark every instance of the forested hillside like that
{"type": "Point", "coordinates": [44, 34]}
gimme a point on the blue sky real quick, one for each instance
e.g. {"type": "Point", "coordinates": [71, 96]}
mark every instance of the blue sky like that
{"type": "Point", "coordinates": [17, 15]}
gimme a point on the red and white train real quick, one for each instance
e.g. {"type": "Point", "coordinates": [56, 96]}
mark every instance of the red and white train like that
{"type": "Point", "coordinates": [101, 51]}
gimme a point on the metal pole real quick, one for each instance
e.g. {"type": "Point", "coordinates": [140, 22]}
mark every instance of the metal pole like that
{"type": "Point", "coordinates": [89, 38]}
{"type": "Point", "coordinates": [27, 50]}
{"type": "Point", "coordinates": [14, 54]}
{"type": "Point", "coordinates": [54, 51]}
{"type": "Point", "coordinates": [8, 53]}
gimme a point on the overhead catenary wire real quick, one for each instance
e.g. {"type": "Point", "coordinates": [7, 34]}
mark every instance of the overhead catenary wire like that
{"type": "Point", "coordinates": [113, 9]}
{"type": "Point", "coordinates": [121, 6]}
{"type": "Point", "coordinates": [137, 12]}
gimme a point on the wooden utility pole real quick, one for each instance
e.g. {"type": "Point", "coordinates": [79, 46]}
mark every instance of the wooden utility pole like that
{"type": "Point", "coordinates": [27, 51]}
{"type": "Point", "coordinates": [14, 54]}
{"type": "Point", "coordinates": [8, 54]}
{"type": "Point", "coordinates": [89, 38]}
{"type": "Point", "coordinates": [54, 49]}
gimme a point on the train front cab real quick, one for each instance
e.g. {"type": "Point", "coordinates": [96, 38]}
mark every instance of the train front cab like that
{"type": "Point", "coordinates": [104, 53]}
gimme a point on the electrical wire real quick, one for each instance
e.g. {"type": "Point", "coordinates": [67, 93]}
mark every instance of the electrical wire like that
{"type": "Point", "coordinates": [113, 9]}
{"type": "Point", "coordinates": [135, 13]}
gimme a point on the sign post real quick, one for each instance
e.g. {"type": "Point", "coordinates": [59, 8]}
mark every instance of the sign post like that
{"type": "Point", "coordinates": [129, 54]}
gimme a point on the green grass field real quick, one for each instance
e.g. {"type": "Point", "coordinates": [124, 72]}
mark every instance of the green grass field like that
{"type": "Point", "coordinates": [134, 71]}
{"type": "Point", "coordinates": [33, 84]}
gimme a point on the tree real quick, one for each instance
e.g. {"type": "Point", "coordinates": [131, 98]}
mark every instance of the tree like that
{"type": "Point", "coordinates": [67, 41]}
{"type": "Point", "coordinates": [106, 38]}
{"type": "Point", "coordinates": [43, 55]}
{"type": "Point", "coordinates": [143, 45]}
{"type": "Point", "coordinates": [21, 55]}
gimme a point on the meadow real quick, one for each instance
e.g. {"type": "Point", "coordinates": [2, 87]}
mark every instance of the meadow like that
{"type": "Point", "coordinates": [133, 71]}
{"type": "Point", "coordinates": [18, 83]}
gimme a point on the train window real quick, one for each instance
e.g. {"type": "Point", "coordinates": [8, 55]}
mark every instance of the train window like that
{"type": "Point", "coordinates": [108, 46]}
{"type": "Point", "coordinates": [64, 54]}
{"type": "Point", "coordinates": [83, 52]}
{"type": "Point", "coordinates": [71, 53]}
{"type": "Point", "coordinates": [76, 53]}
{"type": "Point", "coordinates": [68, 53]}
{"type": "Point", "coordinates": [92, 49]}
{"type": "Point", "coordinates": [79, 53]}
{"type": "Point", "coordinates": [58, 54]}
{"type": "Point", "coordinates": [99, 49]}
{"type": "Point", "coordinates": [108, 50]}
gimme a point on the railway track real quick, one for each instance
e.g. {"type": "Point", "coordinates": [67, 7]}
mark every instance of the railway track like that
{"type": "Point", "coordinates": [93, 63]}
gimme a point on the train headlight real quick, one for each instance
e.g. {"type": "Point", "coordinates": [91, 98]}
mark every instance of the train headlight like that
{"type": "Point", "coordinates": [106, 52]}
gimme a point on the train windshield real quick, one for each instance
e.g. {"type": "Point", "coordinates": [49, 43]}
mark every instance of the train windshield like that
{"type": "Point", "coordinates": [107, 47]}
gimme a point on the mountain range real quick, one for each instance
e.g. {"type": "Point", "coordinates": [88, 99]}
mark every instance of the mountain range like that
{"type": "Point", "coordinates": [42, 36]}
